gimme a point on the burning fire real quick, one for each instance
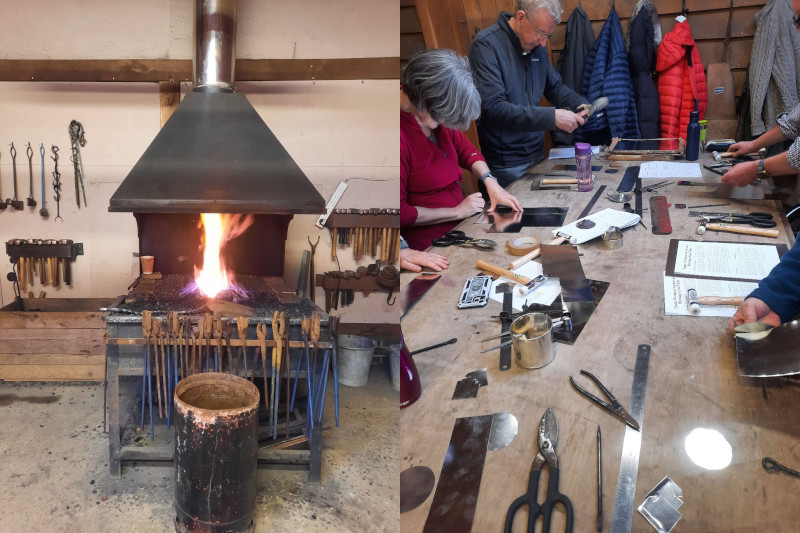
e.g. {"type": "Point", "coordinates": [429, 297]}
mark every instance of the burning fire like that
{"type": "Point", "coordinates": [214, 277]}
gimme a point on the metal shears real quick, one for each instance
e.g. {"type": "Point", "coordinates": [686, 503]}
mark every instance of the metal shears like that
{"type": "Point", "coordinates": [460, 239]}
{"type": "Point", "coordinates": [614, 407]}
{"type": "Point", "coordinates": [548, 438]}
{"type": "Point", "coordinates": [757, 219]}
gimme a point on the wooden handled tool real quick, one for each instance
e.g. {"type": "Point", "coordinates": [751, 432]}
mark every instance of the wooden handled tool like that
{"type": "Point", "coordinates": [734, 228]}
{"type": "Point", "coordinates": [719, 156]}
{"type": "Point", "coordinates": [539, 182]}
{"type": "Point", "coordinates": [534, 254]}
{"type": "Point", "coordinates": [720, 300]}
{"type": "Point", "coordinates": [494, 269]}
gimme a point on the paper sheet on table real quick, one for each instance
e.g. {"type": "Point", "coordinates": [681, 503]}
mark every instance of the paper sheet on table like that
{"type": "Point", "coordinates": [675, 294]}
{"type": "Point", "coordinates": [602, 221]}
{"type": "Point", "coordinates": [544, 294]}
{"type": "Point", "coordinates": [725, 260]}
{"type": "Point", "coordinates": [669, 169]}
{"type": "Point", "coordinates": [568, 152]}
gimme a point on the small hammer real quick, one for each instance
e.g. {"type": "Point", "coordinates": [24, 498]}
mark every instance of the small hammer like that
{"type": "Point", "coordinates": [537, 183]}
{"type": "Point", "coordinates": [695, 302]}
{"type": "Point", "coordinates": [718, 156]}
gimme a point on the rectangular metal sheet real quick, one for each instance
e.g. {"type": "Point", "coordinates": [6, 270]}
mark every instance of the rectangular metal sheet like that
{"type": "Point", "coordinates": [513, 222]}
{"type": "Point", "coordinates": [564, 263]}
{"type": "Point", "coordinates": [659, 216]}
{"type": "Point", "coordinates": [453, 506]}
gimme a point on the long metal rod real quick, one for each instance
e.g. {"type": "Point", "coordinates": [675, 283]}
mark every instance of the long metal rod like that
{"type": "Point", "coordinates": [599, 482]}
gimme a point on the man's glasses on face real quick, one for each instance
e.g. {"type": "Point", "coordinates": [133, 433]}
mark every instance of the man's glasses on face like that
{"type": "Point", "coordinates": [540, 33]}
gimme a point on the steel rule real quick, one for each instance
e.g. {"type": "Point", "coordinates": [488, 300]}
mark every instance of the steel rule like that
{"type": "Point", "coordinates": [622, 518]}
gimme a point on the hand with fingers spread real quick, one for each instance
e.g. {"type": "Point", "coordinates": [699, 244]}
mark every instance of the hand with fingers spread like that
{"type": "Point", "coordinates": [414, 260]}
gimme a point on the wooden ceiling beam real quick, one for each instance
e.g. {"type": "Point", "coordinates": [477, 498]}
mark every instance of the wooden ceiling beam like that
{"type": "Point", "coordinates": [159, 70]}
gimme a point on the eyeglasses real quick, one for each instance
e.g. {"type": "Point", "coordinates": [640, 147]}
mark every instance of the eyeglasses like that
{"type": "Point", "coordinates": [540, 33]}
{"type": "Point", "coordinates": [796, 21]}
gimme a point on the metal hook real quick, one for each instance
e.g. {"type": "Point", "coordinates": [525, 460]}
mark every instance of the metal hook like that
{"type": "Point", "coordinates": [393, 300]}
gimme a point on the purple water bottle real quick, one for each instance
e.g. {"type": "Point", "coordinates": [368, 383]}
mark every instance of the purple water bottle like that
{"type": "Point", "coordinates": [583, 160]}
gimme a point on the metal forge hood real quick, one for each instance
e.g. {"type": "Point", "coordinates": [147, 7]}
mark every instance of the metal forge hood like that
{"type": "Point", "coordinates": [216, 155]}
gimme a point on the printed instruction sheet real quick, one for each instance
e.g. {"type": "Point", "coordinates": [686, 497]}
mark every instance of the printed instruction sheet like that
{"type": "Point", "coordinates": [676, 294]}
{"type": "Point", "coordinates": [733, 261]}
{"type": "Point", "coordinates": [669, 169]}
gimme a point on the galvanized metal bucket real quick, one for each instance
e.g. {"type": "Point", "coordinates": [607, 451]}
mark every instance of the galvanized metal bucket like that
{"type": "Point", "coordinates": [532, 338]}
{"type": "Point", "coordinates": [216, 442]}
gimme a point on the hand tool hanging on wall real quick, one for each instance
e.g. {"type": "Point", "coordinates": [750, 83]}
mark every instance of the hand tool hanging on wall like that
{"type": "Point", "coordinates": [31, 202]}
{"type": "Point", "coordinates": [311, 277]}
{"type": "Point", "coordinates": [278, 330]}
{"type": "Point", "coordinates": [43, 211]}
{"type": "Point", "coordinates": [147, 326]}
{"type": "Point", "coordinates": [56, 182]}
{"type": "Point", "coordinates": [241, 328]}
{"type": "Point", "coordinates": [76, 137]}
{"type": "Point", "coordinates": [13, 202]}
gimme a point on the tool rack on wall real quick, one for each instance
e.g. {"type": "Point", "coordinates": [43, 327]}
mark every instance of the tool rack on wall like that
{"type": "Point", "coordinates": [374, 232]}
{"type": "Point", "coordinates": [48, 259]}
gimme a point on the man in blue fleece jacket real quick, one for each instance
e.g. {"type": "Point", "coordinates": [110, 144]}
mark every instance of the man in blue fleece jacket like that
{"type": "Point", "coordinates": [513, 73]}
{"type": "Point", "coordinates": [777, 298]}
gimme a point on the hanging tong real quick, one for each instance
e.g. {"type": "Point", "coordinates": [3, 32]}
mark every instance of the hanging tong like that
{"type": "Point", "coordinates": [43, 211]}
{"type": "Point", "coordinates": [56, 182]}
{"type": "Point", "coordinates": [13, 202]}
{"type": "Point", "coordinates": [77, 138]}
{"type": "Point", "coordinates": [31, 202]}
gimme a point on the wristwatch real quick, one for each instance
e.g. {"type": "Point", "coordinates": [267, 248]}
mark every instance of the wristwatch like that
{"type": "Point", "coordinates": [761, 174]}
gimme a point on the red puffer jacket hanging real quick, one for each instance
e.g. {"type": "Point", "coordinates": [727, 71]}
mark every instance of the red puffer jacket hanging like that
{"type": "Point", "coordinates": [681, 80]}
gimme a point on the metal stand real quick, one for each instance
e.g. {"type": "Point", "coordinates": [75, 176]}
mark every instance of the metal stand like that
{"type": "Point", "coordinates": [124, 358]}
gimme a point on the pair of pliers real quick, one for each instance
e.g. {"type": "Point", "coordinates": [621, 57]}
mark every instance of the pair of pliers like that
{"type": "Point", "coordinates": [614, 407]}
{"type": "Point", "coordinates": [548, 438]}
{"type": "Point", "coordinates": [757, 219]}
{"type": "Point", "coordinates": [459, 238]}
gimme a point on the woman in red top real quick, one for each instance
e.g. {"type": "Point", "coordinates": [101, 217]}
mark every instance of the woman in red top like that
{"type": "Point", "coordinates": [437, 98]}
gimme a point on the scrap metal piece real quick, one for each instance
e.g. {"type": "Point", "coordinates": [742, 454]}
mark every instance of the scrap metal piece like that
{"type": "Point", "coordinates": [504, 429]}
{"type": "Point", "coordinates": [416, 484]}
{"type": "Point", "coordinates": [479, 376]}
{"type": "Point", "coordinates": [661, 505]}
{"type": "Point", "coordinates": [564, 263]}
{"type": "Point", "coordinates": [659, 216]}
{"type": "Point", "coordinates": [763, 352]}
{"type": "Point", "coordinates": [466, 388]}
{"type": "Point", "coordinates": [586, 223]}
{"type": "Point", "coordinates": [414, 291]}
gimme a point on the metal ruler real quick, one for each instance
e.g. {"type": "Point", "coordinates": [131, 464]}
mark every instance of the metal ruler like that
{"type": "Point", "coordinates": [337, 195]}
{"type": "Point", "coordinates": [505, 351]}
{"type": "Point", "coordinates": [622, 519]}
{"type": "Point", "coordinates": [590, 205]}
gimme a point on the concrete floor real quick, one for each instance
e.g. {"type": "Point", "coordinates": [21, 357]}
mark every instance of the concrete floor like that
{"type": "Point", "coordinates": [54, 474]}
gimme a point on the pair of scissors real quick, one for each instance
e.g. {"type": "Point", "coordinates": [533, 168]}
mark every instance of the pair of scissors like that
{"type": "Point", "coordinates": [757, 219]}
{"type": "Point", "coordinates": [548, 438]}
{"type": "Point", "coordinates": [457, 237]}
{"type": "Point", "coordinates": [614, 407]}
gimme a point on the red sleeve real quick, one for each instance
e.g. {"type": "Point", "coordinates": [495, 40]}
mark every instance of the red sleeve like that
{"type": "Point", "coordinates": [408, 213]}
{"type": "Point", "coordinates": [467, 153]}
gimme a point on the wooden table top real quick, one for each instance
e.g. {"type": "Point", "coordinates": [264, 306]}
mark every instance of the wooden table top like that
{"type": "Point", "coordinates": [693, 382]}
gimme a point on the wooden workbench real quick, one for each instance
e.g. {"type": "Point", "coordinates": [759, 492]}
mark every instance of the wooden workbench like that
{"type": "Point", "coordinates": [693, 382]}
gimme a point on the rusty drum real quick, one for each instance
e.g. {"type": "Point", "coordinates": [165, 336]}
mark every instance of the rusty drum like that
{"type": "Point", "coordinates": [216, 442]}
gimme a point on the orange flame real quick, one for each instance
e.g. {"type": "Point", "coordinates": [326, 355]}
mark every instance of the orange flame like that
{"type": "Point", "coordinates": [214, 277]}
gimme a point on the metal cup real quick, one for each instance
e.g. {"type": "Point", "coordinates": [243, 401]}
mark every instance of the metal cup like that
{"type": "Point", "coordinates": [532, 337]}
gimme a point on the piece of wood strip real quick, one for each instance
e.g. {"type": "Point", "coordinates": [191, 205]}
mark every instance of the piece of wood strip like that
{"type": "Point", "coordinates": [77, 320]}
{"type": "Point", "coordinates": [51, 334]}
{"type": "Point", "coordinates": [51, 359]}
{"type": "Point", "coordinates": [52, 372]}
{"type": "Point", "coordinates": [86, 346]}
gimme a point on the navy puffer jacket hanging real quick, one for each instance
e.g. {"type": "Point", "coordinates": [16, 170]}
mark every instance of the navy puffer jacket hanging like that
{"type": "Point", "coordinates": [642, 62]}
{"type": "Point", "coordinates": [606, 74]}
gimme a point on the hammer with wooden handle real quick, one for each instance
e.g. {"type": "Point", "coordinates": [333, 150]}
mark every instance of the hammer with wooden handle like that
{"type": "Point", "coordinates": [533, 254]}
{"type": "Point", "coordinates": [494, 269]}
{"type": "Point", "coordinates": [719, 156]}
{"type": "Point", "coordinates": [695, 302]}
{"type": "Point", "coordinates": [732, 228]}
{"type": "Point", "coordinates": [538, 183]}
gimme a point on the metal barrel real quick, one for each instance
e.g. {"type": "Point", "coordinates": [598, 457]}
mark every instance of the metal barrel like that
{"type": "Point", "coordinates": [216, 441]}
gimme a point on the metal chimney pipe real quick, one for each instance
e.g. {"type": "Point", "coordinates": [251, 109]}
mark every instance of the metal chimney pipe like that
{"type": "Point", "coordinates": [214, 58]}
